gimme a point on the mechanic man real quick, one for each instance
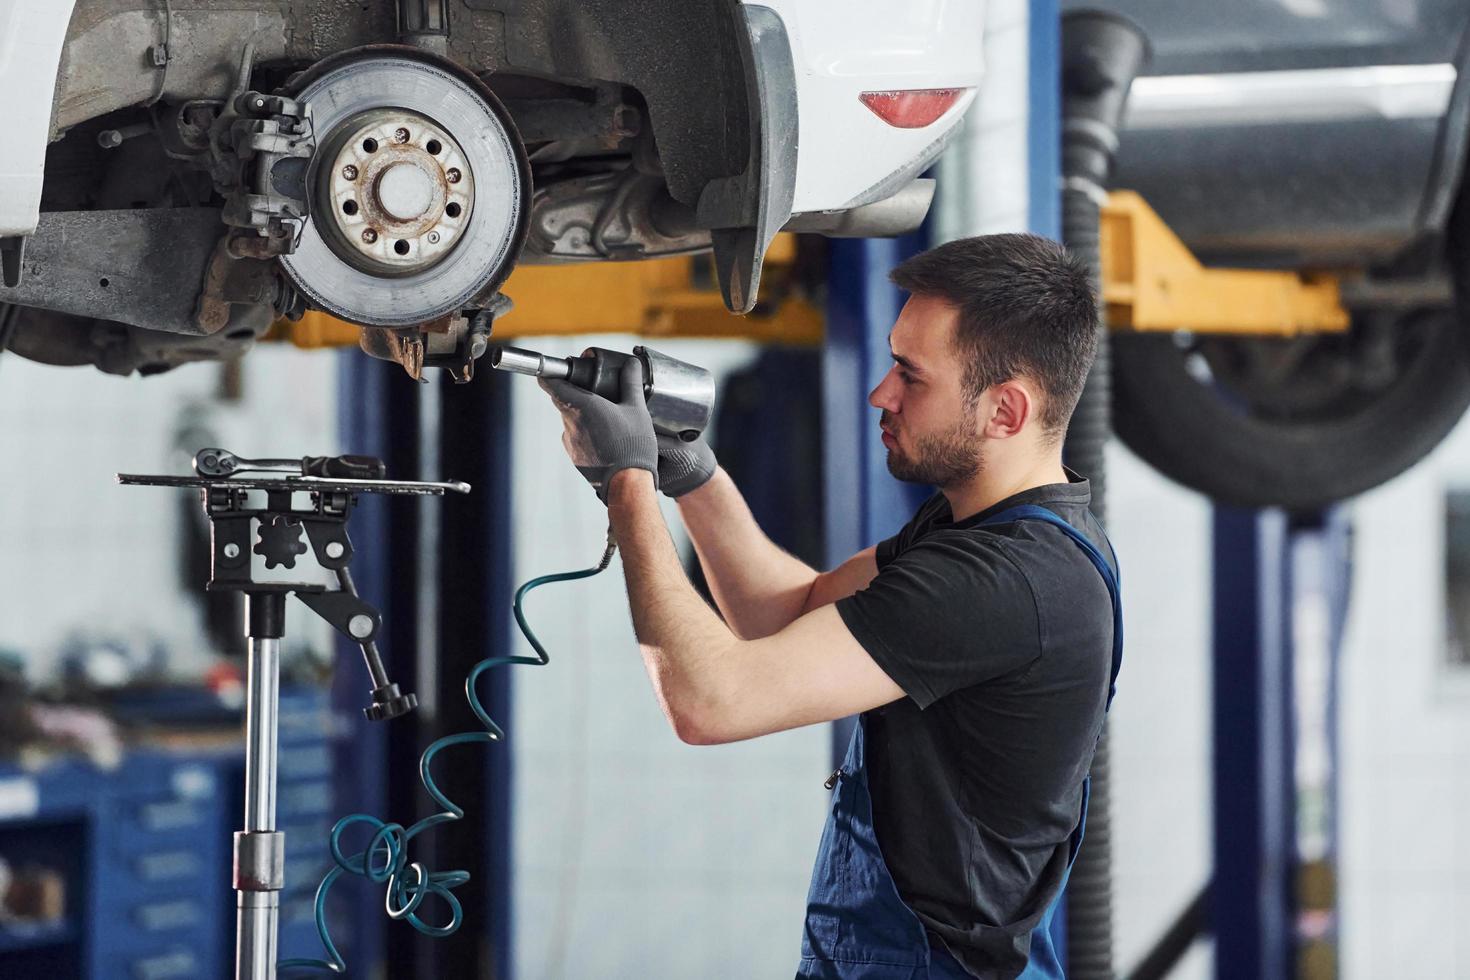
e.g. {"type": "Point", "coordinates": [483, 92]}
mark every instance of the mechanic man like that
{"type": "Point", "coordinates": [979, 644]}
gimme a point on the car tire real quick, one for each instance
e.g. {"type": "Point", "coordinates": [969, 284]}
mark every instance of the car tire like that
{"type": "Point", "coordinates": [1233, 448]}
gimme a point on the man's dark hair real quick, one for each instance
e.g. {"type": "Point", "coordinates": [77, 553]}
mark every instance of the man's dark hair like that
{"type": "Point", "coordinates": [1026, 308]}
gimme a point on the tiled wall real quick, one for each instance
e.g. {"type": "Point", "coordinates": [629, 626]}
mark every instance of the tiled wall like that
{"type": "Point", "coordinates": [637, 856]}
{"type": "Point", "coordinates": [1404, 730]}
{"type": "Point", "coordinates": [77, 551]}
{"type": "Point", "coordinates": [1405, 737]}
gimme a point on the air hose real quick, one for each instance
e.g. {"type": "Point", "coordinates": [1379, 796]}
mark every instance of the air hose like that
{"type": "Point", "coordinates": [385, 858]}
{"type": "Point", "coordinates": [1101, 54]}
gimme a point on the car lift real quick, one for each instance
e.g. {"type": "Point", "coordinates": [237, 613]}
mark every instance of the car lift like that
{"type": "Point", "coordinates": [1151, 283]}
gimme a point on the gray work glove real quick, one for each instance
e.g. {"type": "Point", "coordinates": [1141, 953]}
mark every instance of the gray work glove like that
{"type": "Point", "coordinates": [684, 466]}
{"type": "Point", "coordinates": [602, 436]}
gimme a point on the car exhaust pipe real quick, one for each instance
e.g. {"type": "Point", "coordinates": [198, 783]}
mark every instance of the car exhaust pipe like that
{"type": "Point", "coordinates": [1101, 54]}
{"type": "Point", "coordinates": [895, 215]}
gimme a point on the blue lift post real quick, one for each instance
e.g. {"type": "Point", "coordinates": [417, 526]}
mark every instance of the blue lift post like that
{"type": "Point", "coordinates": [864, 504]}
{"type": "Point", "coordinates": [1268, 920]}
{"type": "Point", "coordinates": [377, 764]}
{"type": "Point", "coordinates": [360, 759]}
{"type": "Point", "coordinates": [1253, 901]}
{"type": "Point", "coordinates": [476, 576]}
{"type": "Point", "coordinates": [1044, 117]}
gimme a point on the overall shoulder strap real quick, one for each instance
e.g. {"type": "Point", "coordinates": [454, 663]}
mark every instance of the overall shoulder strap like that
{"type": "Point", "coordinates": [1031, 512]}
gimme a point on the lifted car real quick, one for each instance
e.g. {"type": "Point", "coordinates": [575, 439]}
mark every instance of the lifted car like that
{"type": "Point", "coordinates": [1317, 137]}
{"type": "Point", "coordinates": [175, 174]}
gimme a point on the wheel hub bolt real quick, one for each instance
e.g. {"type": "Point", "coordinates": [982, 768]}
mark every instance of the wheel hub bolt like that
{"type": "Point", "coordinates": [453, 175]}
{"type": "Point", "coordinates": [400, 135]}
{"type": "Point", "coordinates": [369, 236]}
{"type": "Point", "coordinates": [349, 172]}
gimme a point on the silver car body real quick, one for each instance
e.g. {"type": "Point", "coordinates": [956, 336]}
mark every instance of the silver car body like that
{"type": "Point", "coordinates": [1299, 133]}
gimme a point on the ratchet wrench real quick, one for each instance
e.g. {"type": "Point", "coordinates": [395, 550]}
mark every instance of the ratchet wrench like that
{"type": "Point", "coordinates": [221, 462]}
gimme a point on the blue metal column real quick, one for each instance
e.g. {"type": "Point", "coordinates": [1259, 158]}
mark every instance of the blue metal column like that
{"type": "Point", "coordinates": [474, 609]}
{"type": "Point", "coordinates": [864, 504]}
{"type": "Point", "coordinates": [377, 416]}
{"type": "Point", "coordinates": [1044, 118]}
{"type": "Point", "coordinates": [1254, 777]}
{"type": "Point", "coordinates": [376, 765]}
{"type": "Point", "coordinates": [1044, 211]}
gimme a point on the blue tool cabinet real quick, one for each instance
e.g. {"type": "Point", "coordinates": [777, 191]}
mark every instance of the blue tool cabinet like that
{"type": "Point", "coordinates": [145, 853]}
{"type": "Point", "coordinates": [305, 811]}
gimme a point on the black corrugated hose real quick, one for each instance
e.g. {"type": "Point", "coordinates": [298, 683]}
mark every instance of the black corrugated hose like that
{"type": "Point", "coordinates": [1101, 53]}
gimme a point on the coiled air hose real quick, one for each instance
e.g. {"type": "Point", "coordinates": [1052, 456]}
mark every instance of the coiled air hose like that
{"type": "Point", "coordinates": [1101, 54]}
{"type": "Point", "coordinates": [385, 858]}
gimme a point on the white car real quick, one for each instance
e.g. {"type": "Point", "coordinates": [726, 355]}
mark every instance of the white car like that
{"type": "Point", "coordinates": [175, 175]}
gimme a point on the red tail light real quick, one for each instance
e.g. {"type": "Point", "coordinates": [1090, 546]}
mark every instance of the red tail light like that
{"type": "Point", "coordinates": [912, 109]}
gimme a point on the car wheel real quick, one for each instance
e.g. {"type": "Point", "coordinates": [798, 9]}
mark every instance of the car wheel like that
{"type": "Point", "coordinates": [1298, 423]}
{"type": "Point", "coordinates": [419, 189]}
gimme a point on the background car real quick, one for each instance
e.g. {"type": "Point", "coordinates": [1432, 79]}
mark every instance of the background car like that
{"type": "Point", "coordinates": [1316, 135]}
{"type": "Point", "coordinates": [176, 178]}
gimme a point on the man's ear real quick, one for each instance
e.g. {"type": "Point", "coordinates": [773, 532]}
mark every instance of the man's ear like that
{"type": "Point", "coordinates": [1011, 407]}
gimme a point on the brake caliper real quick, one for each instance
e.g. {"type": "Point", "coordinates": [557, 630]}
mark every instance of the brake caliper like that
{"type": "Point", "coordinates": [260, 147]}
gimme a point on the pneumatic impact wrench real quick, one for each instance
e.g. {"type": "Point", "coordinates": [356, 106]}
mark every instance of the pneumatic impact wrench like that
{"type": "Point", "coordinates": [681, 396]}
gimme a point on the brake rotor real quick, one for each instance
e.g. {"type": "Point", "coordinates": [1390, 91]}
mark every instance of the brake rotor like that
{"type": "Point", "coordinates": [419, 190]}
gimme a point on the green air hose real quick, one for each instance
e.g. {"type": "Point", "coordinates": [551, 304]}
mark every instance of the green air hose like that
{"type": "Point", "coordinates": [385, 858]}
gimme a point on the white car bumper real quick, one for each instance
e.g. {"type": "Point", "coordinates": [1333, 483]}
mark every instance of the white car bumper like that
{"type": "Point", "coordinates": [31, 37]}
{"type": "Point", "coordinates": [847, 155]}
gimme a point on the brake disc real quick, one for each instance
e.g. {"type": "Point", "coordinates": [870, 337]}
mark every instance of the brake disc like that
{"type": "Point", "coordinates": [419, 190]}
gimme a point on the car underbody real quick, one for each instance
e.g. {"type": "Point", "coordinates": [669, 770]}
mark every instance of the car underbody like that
{"type": "Point", "coordinates": [254, 165]}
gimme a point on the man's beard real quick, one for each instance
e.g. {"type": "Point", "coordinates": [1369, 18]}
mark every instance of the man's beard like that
{"type": "Point", "coordinates": [942, 459]}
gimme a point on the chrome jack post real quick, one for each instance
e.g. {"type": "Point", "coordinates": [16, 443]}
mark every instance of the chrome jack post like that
{"type": "Point", "coordinates": [255, 550]}
{"type": "Point", "coordinates": [260, 849]}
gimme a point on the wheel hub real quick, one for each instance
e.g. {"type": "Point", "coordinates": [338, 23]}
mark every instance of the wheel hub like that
{"type": "Point", "coordinates": [402, 192]}
{"type": "Point", "coordinates": [405, 191]}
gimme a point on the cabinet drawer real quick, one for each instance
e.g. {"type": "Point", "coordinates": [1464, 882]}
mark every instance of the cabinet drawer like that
{"type": "Point", "coordinates": [169, 963]}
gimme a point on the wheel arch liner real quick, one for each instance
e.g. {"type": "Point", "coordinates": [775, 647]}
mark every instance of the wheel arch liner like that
{"type": "Point", "coordinates": [760, 198]}
{"type": "Point", "coordinates": [681, 55]}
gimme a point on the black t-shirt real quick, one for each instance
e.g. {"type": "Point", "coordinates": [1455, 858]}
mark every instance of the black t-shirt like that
{"type": "Point", "coordinates": [1002, 639]}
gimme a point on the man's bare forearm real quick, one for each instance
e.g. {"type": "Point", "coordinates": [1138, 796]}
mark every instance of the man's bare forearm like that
{"type": "Point", "coordinates": [759, 588]}
{"type": "Point", "coordinates": [682, 640]}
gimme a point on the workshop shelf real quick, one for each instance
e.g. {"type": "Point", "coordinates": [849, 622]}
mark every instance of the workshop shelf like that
{"type": "Point", "coordinates": [144, 851]}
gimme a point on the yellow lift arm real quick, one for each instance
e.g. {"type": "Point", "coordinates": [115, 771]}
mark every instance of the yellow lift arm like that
{"type": "Point", "coordinates": [1151, 282]}
{"type": "Point", "coordinates": [655, 298]}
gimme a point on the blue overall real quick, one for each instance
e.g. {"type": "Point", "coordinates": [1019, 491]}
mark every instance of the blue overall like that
{"type": "Point", "coordinates": [857, 925]}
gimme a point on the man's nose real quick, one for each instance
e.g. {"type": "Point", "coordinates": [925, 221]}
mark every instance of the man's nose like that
{"type": "Point", "coordinates": [885, 396]}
